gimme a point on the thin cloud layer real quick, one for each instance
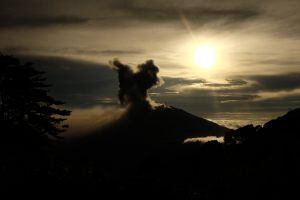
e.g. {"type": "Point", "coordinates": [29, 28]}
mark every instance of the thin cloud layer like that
{"type": "Point", "coordinates": [277, 82]}
{"type": "Point", "coordinates": [40, 21]}
{"type": "Point", "coordinates": [197, 15]}
{"type": "Point", "coordinates": [80, 83]}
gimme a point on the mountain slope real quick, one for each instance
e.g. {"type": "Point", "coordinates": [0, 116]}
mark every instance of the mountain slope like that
{"type": "Point", "coordinates": [289, 123]}
{"type": "Point", "coordinates": [164, 125]}
{"type": "Point", "coordinates": [180, 125]}
{"type": "Point", "coordinates": [283, 130]}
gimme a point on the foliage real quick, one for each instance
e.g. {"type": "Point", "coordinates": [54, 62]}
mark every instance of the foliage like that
{"type": "Point", "coordinates": [26, 109]}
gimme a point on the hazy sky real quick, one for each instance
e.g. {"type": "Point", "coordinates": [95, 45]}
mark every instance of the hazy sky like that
{"type": "Point", "coordinates": [256, 74]}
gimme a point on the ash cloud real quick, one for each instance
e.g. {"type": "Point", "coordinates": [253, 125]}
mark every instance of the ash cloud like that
{"type": "Point", "coordinates": [134, 85]}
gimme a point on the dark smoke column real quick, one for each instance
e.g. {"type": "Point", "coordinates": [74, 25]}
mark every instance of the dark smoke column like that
{"type": "Point", "coordinates": [133, 86]}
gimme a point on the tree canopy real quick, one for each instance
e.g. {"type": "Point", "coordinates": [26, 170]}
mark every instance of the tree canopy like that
{"type": "Point", "coordinates": [26, 109]}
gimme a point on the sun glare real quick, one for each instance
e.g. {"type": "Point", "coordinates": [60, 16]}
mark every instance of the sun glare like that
{"type": "Point", "coordinates": [205, 56]}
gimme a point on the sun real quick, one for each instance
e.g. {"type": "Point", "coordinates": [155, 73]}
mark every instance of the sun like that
{"type": "Point", "coordinates": [205, 56]}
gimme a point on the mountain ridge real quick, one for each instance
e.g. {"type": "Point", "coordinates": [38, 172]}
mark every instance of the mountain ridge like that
{"type": "Point", "coordinates": [158, 126]}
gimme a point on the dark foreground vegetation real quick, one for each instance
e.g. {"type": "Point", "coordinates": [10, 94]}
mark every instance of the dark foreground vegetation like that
{"type": "Point", "coordinates": [252, 163]}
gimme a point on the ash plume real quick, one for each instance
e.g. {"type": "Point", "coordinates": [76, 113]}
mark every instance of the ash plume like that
{"type": "Point", "coordinates": [134, 85]}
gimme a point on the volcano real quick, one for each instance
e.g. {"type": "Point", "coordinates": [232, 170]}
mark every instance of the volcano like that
{"type": "Point", "coordinates": [159, 126]}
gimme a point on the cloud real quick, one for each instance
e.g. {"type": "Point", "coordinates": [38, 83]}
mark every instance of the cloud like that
{"type": "Point", "coordinates": [182, 81]}
{"type": "Point", "coordinates": [257, 60]}
{"type": "Point", "coordinates": [204, 139]}
{"type": "Point", "coordinates": [199, 13]}
{"type": "Point", "coordinates": [108, 52]}
{"type": "Point", "coordinates": [40, 21]}
{"type": "Point", "coordinates": [198, 16]}
{"type": "Point", "coordinates": [278, 95]}
{"type": "Point", "coordinates": [236, 82]}
{"type": "Point", "coordinates": [119, 13]}
{"type": "Point", "coordinates": [268, 93]}
{"type": "Point", "coordinates": [230, 83]}
{"type": "Point", "coordinates": [14, 49]}
{"type": "Point", "coordinates": [87, 120]}
{"type": "Point", "coordinates": [247, 87]}
{"type": "Point", "coordinates": [80, 83]}
{"type": "Point", "coordinates": [278, 82]}
{"type": "Point", "coordinates": [181, 84]}
{"type": "Point", "coordinates": [70, 51]}
{"type": "Point", "coordinates": [231, 98]}
{"type": "Point", "coordinates": [134, 85]}
{"type": "Point", "coordinates": [121, 52]}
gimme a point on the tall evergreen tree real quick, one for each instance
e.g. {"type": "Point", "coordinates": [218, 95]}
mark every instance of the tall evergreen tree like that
{"type": "Point", "coordinates": [26, 109]}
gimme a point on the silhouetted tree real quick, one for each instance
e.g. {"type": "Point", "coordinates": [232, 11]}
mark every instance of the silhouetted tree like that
{"type": "Point", "coordinates": [26, 109]}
